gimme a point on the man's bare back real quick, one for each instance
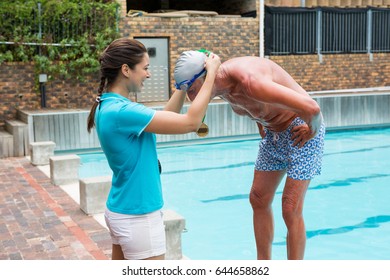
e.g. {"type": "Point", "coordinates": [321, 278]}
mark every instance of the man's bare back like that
{"type": "Point", "coordinates": [262, 90]}
{"type": "Point", "coordinates": [245, 95]}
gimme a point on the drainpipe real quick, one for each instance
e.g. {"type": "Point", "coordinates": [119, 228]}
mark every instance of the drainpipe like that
{"type": "Point", "coordinates": [261, 29]}
{"type": "Point", "coordinates": [369, 34]}
{"type": "Point", "coordinates": [319, 33]}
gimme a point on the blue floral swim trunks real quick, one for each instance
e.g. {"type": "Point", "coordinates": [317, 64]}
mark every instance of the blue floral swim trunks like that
{"type": "Point", "coordinates": [276, 152]}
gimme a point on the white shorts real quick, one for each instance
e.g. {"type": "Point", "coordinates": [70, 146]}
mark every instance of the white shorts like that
{"type": "Point", "coordinates": [140, 236]}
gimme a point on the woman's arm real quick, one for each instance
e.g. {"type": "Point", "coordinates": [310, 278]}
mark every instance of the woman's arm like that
{"type": "Point", "coordinates": [176, 101]}
{"type": "Point", "coordinates": [167, 122]}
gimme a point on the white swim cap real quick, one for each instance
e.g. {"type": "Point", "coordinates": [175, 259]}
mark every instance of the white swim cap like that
{"type": "Point", "coordinates": [188, 68]}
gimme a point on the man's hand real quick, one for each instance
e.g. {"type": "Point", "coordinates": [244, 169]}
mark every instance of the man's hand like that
{"type": "Point", "coordinates": [301, 134]}
{"type": "Point", "coordinates": [261, 130]}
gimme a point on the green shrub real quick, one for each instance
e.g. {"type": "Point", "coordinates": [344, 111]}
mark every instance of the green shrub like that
{"type": "Point", "coordinates": [63, 38]}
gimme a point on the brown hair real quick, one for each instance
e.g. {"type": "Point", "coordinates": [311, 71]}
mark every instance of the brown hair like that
{"type": "Point", "coordinates": [119, 52]}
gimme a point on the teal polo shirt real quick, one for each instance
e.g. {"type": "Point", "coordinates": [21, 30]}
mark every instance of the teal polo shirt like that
{"type": "Point", "coordinates": [131, 154]}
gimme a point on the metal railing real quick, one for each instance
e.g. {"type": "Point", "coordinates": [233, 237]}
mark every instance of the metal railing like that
{"type": "Point", "coordinates": [35, 29]}
{"type": "Point", "coordinates": [326, 30]}
{"type": "Point", "coordinates": [381, 24]}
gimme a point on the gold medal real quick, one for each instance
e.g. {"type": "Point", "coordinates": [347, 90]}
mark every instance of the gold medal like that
{"type": "Point", "coordinates": [203, 130]}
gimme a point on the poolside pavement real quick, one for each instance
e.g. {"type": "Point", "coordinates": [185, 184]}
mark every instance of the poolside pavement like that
{"type": "Point", "coordinates": [41, 221]}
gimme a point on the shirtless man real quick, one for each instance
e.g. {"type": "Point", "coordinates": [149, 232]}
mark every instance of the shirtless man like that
{"type": "Point", "coordinates": [292, 130]}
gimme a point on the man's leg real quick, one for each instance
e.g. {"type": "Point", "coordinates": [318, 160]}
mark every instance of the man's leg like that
{"type": "Point", "coordinates": [261, 196]}
{"type": "Point", "coordinates": [292, 208]}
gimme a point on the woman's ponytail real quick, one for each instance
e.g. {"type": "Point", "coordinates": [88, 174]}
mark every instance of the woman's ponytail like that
{"type": "Point", "coordinates": [91, 116]}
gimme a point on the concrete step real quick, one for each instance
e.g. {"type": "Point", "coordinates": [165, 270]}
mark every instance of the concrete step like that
{"type": "Point", "coordinates": [6, 144]}
{"type": "Point", "coordinates": [19, 131]}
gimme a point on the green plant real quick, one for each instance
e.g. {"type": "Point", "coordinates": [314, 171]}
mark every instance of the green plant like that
{"type": "Point", "coordinates": [63, 38]}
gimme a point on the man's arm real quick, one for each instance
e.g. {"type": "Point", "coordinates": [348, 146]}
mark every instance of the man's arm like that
{"type": "Point", "coordinates": [267, 91]}
{"type": "Point", "coordinates": [261, 130]}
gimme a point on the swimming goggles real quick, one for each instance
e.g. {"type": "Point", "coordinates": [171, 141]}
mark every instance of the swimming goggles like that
{"type": "Point", "coordinates": [186, 84]}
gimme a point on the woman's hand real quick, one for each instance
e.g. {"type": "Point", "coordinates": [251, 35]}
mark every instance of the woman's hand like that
{"type": "Point", "coordinates": [212, 63]}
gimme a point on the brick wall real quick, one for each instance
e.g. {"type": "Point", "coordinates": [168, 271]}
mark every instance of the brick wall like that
{"type": "Point", "coordinates": [18, 90]}
{"type": "Point", "coordinates": [16, 84]}
{"type": "Point", "coordinates": [337, 71]}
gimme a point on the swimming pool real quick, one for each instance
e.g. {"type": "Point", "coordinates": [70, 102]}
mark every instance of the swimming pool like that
{"type": "Point", "coordinates": [347, 209]}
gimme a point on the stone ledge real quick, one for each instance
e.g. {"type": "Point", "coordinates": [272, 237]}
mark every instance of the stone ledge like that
{"type": "Point", "coordinates": [64, 169]}
{"type": "Point", "coordinates": [40, 152]}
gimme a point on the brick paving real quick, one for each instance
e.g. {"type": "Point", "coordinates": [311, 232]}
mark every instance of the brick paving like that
{"type": "Point", "coordinates": [39, 221]}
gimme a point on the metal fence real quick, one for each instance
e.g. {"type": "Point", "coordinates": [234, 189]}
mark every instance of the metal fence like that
{"type": "Point", "coordinates": [326, 30]}
{"type": "Point", "coordinates": [381, 24]}
{"type": "Point", "coordinates": [63, 26]}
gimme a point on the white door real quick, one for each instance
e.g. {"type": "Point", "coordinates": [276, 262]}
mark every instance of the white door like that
{"type": "Point", "coordinates": [157, 87]}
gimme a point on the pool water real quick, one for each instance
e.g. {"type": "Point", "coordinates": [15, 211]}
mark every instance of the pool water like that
{"type": "Point", "coordinates": [347, 209]}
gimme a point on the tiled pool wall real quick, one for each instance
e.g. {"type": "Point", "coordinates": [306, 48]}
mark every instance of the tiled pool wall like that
{"type": "Point", "coordinates": [341, 110]}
